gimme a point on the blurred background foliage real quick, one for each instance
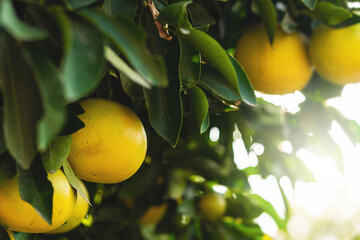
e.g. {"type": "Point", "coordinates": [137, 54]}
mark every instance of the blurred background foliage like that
{"type": "Point", "coordinates": [56, 52]}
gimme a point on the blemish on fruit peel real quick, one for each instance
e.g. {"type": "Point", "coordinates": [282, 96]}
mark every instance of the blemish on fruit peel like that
{"type": "Point", "coordinates": [185, 31]}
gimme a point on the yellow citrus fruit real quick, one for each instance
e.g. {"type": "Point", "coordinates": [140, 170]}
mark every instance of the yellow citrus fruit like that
{"type": "Point", "coordinates": [212, 206]}
{"type": "Point", "coordinates": [20, 216]}
{"type": "Point", "coordinates": [153, 214]}
{"type": "Point", "coordinates": [80, 211]}
{"type": "Point", "coordinates": [112, 145]}
{"type": "Point", "coordinates": [10, 235]}
{"type": "Point", "coordinates": [281, 68]}
{"type": "Point", "coordinates": [334, 53]}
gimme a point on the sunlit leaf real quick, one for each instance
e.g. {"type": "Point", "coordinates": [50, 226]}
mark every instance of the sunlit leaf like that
{"type": "Point", "coordinates": [121, 65]}
{"type": "Point", "coordinates": [328, 13]}
{"type": "Point", "coordinates": [212, 52]}
{"type": "Point", "coordinates": [73, 180]}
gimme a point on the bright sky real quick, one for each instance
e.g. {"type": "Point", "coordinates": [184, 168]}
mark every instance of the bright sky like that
{"type": "Point", "coordinates": [328, 209]}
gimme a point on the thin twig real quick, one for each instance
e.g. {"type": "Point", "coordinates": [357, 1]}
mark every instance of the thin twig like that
{"type": "Point", "coordinates": [163, 33]}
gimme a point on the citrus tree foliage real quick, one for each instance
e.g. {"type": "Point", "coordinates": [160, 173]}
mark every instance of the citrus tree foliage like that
{"type": "Point", "coordinates": [172, 63]}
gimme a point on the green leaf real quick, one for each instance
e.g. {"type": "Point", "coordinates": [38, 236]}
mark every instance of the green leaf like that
{"type": "Point", "coordinates": [212, 52]}
{"type": "Point", "coordinates": [242, 207]}
{"type": "Point", "coordinates": [269, 209]}
{"type": "Point", "coordinates": [24, 236]}
{"type": "Point", "coordinates": [268, 13]}
{"type": "Point", "coordinates": [36, 189]}
{"type": "Point", "coordinates": [310, 3]}
{"type": "Point", "coordinates": [164, 107]}
{"type": "Point", "coordinates": [190, 65]}
{"type": "Point", "coordinates": [199, 16]}
{"type": "Point", "coordinates": [214, 82]}
{"type": "Point", "coordinates": [7, 168]}
{"type": "Point", "coordinates": [22, 103]}
{"type": "Point", "coordinates": [176, 15]}
{"type": "Point", "coordinates": [84, 62]}
{"type": "Point", "coordinates": [164, 104]}
{"type": "Point", "coordinates": [3, 234]}
{"type": "Point", "coordinates": [57, 153]}
{"type": "Point", "coordinates": [73, 124]}
{"type": "Point", "coordinates": [77, 4]}
{"type": "Point", "coordinates": [124, 7]}
{"type": "Point", "coordinates": [245, 88]}
{"type": "Point", "coordinates": [129, 39]}
{"type": "Point", "coordinates": [17, 28]}
{"type": "Point", "coordinates": [199, 109]}
{"type": "Point", "coordinates": [53, 100]}
{"type": "Point", "coordinates": [73, 180]}
{"type": "Point", "coordinates": [121, 65]}
{"type": "Point", "coordinates": [328, 13]}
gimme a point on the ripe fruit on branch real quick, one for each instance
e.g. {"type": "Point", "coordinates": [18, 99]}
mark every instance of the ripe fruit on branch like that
{"type": "Point", "coordinates": [112, 145]}
{"type": "Point", "coordinates": [212, 206]}
{"type": "Point", "coordinates": [281, 68]}
{"type": "Point", "coordinates": [334, 53]}
{"type": "Point", "coordinates": [20, 216]}
{"type": "Point", "coordinates": [80, 211]}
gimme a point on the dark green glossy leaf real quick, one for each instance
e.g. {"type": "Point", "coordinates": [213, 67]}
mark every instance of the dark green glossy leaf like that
{"type": "Point", "coordinates": [128, 38]}
{"type": "Point", "coordinates": [76, 108]}
{"type": "Point", "coordinates": [189, 66]}
{"type": "Point", "coordinates": [199, 108]}
{"type": "Point", "coordinates": [7, 168]}
{"type": "Point", "coordinates": [22, 104]}
{"type": "Point", "coordinates": [24, 236]}
{"type": "Point", "coordinates": [268, 13]}
{"type": "Point", "coordinates": [205, 124]}
{"type": "Point", "coordinates": [269, 209]}
{"type": "Point", "coordinates": [124, 7]}
{"type": "Point", "coordinates": [199, 15]}
{"type": "Point", "coordinates": [53, 100]}
{"type": "Point", "coordinates": [164, 104]}
{"type": "Point", "coordinates": [176, 15]}
{"type": "Point", "coordinates": [73, 124]}
{"type": "Point", "coordinates": [310, 3]}
{"type": "Point", "coordinates": [246, 90]}
{"type": "Point", "coordinates": [328, 13]}
{"type": "Point", "coordinates": [77, 4]}
{"type": "Point", "coordinates": [36, 189]}
{"type": "Point", "coordinates": [83, 68]}
{"type": "Point", "coordinates": [73, 180]}
{"type": "Point", "coordinates": [57, 152]}
{"type": "Point", "coordinates": [214, 82]}
{"type": "Point", "coordinates": [122, 66]}
{"type": "Point", "coordinates": [212, 52]}
{"type": "Point", "coordinates": [17, 28]}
